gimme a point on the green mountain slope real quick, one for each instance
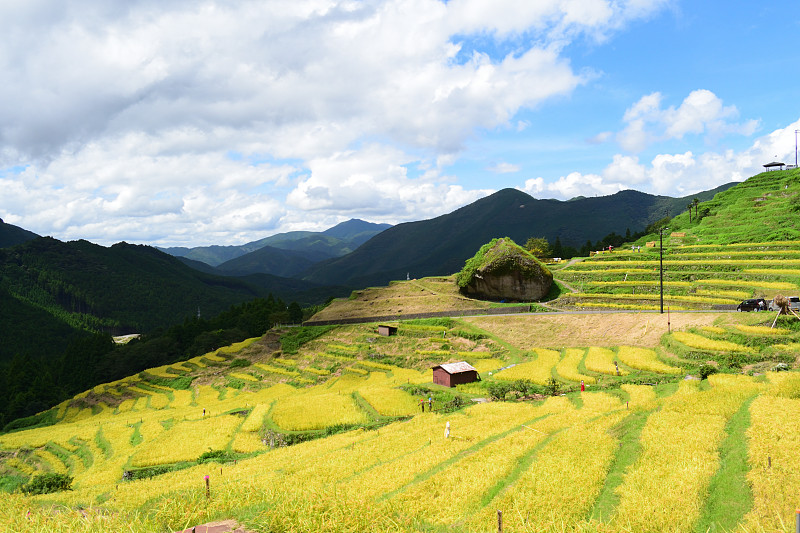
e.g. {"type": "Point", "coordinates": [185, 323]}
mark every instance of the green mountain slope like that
{"type": "Point", "coordinates": [26, 329]}
{"type": "Point", "coordinates": [765, 207]}
{"type": "Point", "coordinates": [121, 288]}
{"type": "Point", "coordinates": [11, 235]}
{"type": "Point", "coordinates": [125, 287]}
{"type": "Point", "coordinates": [441, 245]}
{"type": "Point", "coordinates": [269, 260]}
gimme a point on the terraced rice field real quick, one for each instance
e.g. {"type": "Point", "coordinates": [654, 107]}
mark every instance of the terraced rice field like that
{"type": "Point", "coordinates": [544, 465]}
{"type": "Point", "coordinates": [646, 455]}
{"type": "Point", "coordinates": [695, 276]}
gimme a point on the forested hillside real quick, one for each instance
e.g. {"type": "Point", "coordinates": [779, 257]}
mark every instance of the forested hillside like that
{"type": "Point", "coordinates": [31, 384]}
{"type": "Point", "coordinates": [122, 289]}
{"type": "Point", "coordinates": [61, 302]}
{"type": "Point", "coordinates": [11, 235]}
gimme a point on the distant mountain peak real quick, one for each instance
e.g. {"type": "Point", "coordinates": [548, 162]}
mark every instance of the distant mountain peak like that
{"type": "Point", "coordinates": [354, 227]}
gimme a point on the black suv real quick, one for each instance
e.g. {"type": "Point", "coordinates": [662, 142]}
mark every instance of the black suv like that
{"type": "Point", "coordinates": [754, 304]}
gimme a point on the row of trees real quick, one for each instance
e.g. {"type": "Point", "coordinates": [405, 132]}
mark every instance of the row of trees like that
{"type": "Point", "coordinates": [30, 384]}
{"type": "Point", "coordinates": [541, 248]}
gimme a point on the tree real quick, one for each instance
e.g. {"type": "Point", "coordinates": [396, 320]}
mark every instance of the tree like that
{"type": "Point", "coordinates": [558, 249]}
{"type": "Point", "coordinates": [538, 246]}
{"type": "Point", "coordinates": [695, 203]}
{"type": "Point", "coordinates": [691, 204]}
{"type": "Point", "coordinates": [295, 313]}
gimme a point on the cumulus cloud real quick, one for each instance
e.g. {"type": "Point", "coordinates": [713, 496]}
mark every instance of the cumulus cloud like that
{"type": "Point", "coordinates": [678, 174]}
{"type": "Point", "coordinates": [375, 181]}
{"type": "Point", "coordinates": [560, 18]}
{"type": "Point", "coordinates": [572, 185]}
{"type": "Point", "coordinates": [701, 112]}
{"type": "Point", "coordinates": [185, 122]}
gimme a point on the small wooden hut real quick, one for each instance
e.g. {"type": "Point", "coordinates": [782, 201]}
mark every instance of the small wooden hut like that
{"type": "Point", "coordinates": [387, 331]}
{"type": "Point", "coordinates": [452, 374]}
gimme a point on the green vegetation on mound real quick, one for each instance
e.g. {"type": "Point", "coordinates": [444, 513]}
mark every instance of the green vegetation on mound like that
{"type": "Point", "coordinates": [760, 209]}
{"type": "Point", "coordinates": [503, 256]}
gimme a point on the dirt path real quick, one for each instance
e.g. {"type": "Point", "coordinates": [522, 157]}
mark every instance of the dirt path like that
{"type": "Point", "coordinates": [566, 285]}
{"type": "Point", "coordinates": [571, 262]}
{"type": "Point", "coordinates": [223, 526]}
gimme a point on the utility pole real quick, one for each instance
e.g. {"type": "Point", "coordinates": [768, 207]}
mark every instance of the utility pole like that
{"type": "Point", "coordinates": [795, 147]}
{"type": "Point", "coordinates": [661, 264]}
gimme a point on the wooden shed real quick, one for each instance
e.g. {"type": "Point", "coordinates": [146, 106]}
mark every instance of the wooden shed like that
{"type": "Point", "coordinates": [387, 331]}
{"type": "Point", "coordinates": [452, 374]}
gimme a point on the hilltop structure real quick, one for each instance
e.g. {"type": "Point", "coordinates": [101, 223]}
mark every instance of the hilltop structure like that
{"type": "Point", "coordinates": [502, 270]}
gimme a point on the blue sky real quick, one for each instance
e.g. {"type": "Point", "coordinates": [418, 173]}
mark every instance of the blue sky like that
{"type": "Point", "coordinates": [193, 123]}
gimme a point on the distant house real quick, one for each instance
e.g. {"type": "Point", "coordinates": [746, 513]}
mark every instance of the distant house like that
{"type": "Point", "coordinates": [387, 331]}
{"type": "Point", "coordinates": [771, 166]}
{"type": "Point", "coordinates": [452, 374]}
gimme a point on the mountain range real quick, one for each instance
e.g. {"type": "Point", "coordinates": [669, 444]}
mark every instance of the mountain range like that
{"type": "Point", "coordinates": [357, 253]}
{"type": "Point", "coordinates": [441, 245]}
{"type": "Point", "coordinates": [305, 247]}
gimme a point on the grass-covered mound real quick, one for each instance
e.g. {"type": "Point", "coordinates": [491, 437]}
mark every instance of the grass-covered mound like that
{"type": "Point", "coordinates": [501, 269]}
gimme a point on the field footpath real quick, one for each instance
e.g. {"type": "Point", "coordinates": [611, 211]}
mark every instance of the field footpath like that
{"type": "Point", "coordinates": [522, 308]}
{"type": "Point", "coordinates": [223, 526]}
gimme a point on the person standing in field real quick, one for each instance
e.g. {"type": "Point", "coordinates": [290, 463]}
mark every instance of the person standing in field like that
{"type": "Point", "coordinates": [422, 404]}
{"type": "Point", "coordinates": [430, 404]}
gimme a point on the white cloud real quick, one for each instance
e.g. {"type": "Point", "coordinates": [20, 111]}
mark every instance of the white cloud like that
{"type": "Point", "coordinates": [701, 112]}
{"type": "Point", "coordinates": [600, 138]}
{"type": "Point", "coordinates": [577, 184]}
{"type": "Point", "coordinates": [676, 175]}
{"type": "Point", "coordinates": [205, 122]}
{"type": "Point", "coordinates": [348, 68]}
{"type": "Point", "coordinates": [572, 185]}
{"type": "Point", "coordinates": [671, 172]}
{"type": "Point", "coordinates": [534, 186]}
{"type": "Point", "coordinates": [558, 17]}
{"type": "Point", "coordinates": [504, 168]}
{"type": "Point", "coordinates": [625, 170]}
{"type": "Point", "coordinates": [374, 181]}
